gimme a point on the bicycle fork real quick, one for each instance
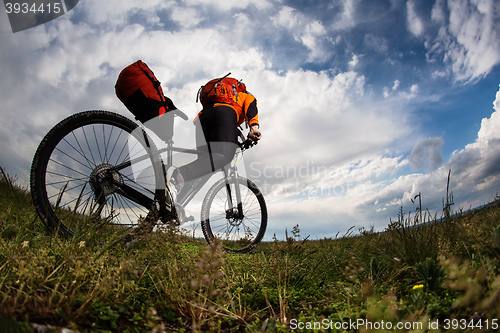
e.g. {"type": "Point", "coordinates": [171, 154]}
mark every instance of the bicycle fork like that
{"type": "Point", "coordinates": [231, 212]}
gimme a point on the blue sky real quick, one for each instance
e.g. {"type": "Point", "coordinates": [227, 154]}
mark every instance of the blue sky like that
{"type": "Point", "coordinates": [363, 104]}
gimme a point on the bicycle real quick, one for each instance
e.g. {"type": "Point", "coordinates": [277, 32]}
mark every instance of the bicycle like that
{"type": "Point", "coordinates": [102, 169]}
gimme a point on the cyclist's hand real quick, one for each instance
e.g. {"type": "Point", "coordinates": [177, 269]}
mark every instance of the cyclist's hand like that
{"type": "Point", "coordinates": [255, 134]}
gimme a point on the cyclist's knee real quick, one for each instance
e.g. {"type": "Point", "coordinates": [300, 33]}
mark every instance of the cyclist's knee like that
{"type": "Point", "coordinates": [220, 159]}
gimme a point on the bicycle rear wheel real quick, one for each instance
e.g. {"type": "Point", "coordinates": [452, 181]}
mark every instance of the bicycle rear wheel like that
{"type": "Point", "coordinates": [221, 220]}
{"type": "Point", "coordinates": [94, 170]}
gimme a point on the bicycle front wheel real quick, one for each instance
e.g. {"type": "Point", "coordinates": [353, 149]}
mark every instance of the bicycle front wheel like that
{"type": "Point", "coordinates": [95, 169]}
{"type": "Point", "coordinates": [239, 226]}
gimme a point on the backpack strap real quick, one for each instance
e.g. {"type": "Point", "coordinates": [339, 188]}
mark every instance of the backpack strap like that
{"type": "Point", "coordinates": [156, 84]}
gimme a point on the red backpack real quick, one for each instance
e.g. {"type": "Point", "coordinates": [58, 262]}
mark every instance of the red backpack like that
{"type": "Point", "coordinates": [224, 90]}
{"type": "Point", "coordinates": [141, 92]}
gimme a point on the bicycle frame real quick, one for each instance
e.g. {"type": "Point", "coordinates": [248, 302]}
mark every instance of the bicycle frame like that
{"type": "Point", "coordinates": [230, 172]}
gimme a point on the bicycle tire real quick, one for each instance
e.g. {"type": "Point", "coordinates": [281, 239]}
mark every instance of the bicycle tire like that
{"type": "Point", "coordinates": [68, 189]}
{"type": "Point", "coordinates": [240, 235]}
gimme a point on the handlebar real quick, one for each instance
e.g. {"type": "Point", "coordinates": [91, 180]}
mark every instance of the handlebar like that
{"type": "Point", "coordinates": [246, 143]}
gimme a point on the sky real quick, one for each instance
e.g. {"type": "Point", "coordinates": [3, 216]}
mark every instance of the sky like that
{"type": "Point", "coordinates": [363, 104]}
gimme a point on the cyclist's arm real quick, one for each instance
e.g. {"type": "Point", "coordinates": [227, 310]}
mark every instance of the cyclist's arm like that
{"type": "Point", "coordinates": [251, 111]}
{"type": "Point", "coordinates": [252, 116]}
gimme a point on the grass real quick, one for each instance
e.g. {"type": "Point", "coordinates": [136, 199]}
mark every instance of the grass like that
{"type": "Point", "coordinates": [417, 273]}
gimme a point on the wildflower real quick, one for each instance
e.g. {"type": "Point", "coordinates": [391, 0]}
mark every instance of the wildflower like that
{"type": "Point", "coordinates": [81, 244]}
{"type": "Point", "coordinates": [418, 286]}
{"type": "Point", "coordinates": [25, 244]}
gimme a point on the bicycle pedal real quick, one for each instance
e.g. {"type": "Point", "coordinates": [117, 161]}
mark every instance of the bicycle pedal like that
{"type": "Point", "coordinates": [181, 215]}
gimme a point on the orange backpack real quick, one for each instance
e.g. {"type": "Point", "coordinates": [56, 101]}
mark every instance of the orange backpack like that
{"type": "Point", "coordinates": [224, 90]}
{"type": "Point", "coordinates": [140, 91]}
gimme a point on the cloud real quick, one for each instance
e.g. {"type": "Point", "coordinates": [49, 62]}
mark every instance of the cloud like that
{"type": "Point", "coordinates": [470, 42]}
{"type": "Point", "coordinates": [477, 165]}
{"type": "Point", "coordinates": [354, 62]}
{"type": "Point", "coordinates": [308, 32]}
{"type": "Point", "coordinates": [388, 92]}
{"type": "Point", "coordinates": [228, 5]}
{"type": "Point", "coordinates": [427, 153]}
{"type": "Point", "coordinates": [347, 17]}
{"type": "Point", "coordinates": [377, 43]}
{"type": "Point", "coordinates": [186, 17]}
{"type": "Point", "coordinates": [438, 14]}
{"type": "Point", "coordinates": [111, 14]}
{"type": "Point", "coordinates": [322, 120]}
{"type": "Point", "coordinates": [414, 23]}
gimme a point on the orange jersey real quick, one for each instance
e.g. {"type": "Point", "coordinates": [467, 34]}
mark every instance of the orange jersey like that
{"type": "Point", "coordinates": [248, 111]}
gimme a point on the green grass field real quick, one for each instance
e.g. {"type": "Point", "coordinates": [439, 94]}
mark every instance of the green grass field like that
{"type": "Point", "coordinates": [415, 277]}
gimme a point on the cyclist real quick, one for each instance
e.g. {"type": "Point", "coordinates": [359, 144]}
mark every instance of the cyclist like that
{"type": "Point", "coordinates": [217, 135]}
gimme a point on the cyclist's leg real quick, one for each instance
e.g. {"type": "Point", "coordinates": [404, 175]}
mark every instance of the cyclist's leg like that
{"type": "Point", "coordinates": [217, 135]}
